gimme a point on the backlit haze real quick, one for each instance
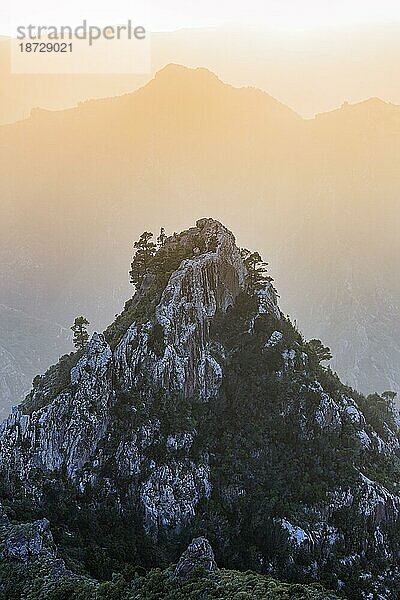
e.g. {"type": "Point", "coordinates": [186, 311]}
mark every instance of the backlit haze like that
{"type": "Point", "coordinates": [311, 55]}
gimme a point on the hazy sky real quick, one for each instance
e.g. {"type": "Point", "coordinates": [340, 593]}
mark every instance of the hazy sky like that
{"type": "Point", "coordinates": [161, 15]}
{"type": "Point", "coordinates": [282, 14]}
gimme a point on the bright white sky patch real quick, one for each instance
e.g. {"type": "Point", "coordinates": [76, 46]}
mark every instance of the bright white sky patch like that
{"type": "Point", "coordinates": [275, 14]}
{"type": "Point", "coordinates": [164, 15]}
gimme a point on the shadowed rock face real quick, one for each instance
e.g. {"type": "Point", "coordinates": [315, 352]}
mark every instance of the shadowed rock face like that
{"type": "Point", "coordinates": [25, 543]}
{"type": "Point", "coordinates": [28, 551]}
{"type": "Point", "coordinates": [199, 555]}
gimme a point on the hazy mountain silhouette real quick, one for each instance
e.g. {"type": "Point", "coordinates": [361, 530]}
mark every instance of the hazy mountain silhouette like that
{"type": "Point", "coordinates": [306, 70]}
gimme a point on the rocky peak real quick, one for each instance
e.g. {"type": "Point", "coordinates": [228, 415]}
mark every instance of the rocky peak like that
{"type": "Point", "coordinates": [206, 283]}
{"type": "Point", "coordinates": [165, 349]}
{"type": "Point", "coordinates": [199, 555]}
{"type": "Point", "coordinates": [202, 402]}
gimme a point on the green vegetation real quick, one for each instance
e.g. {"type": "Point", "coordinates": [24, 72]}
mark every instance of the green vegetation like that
{"type": "Point", "coordinates": [321, 352]}
{"type": "Point", "coordinates": [81, 336]}
{"type": "Point", "coordinates": [162, 238]}
{"type": "Point", "coordinates": [145, 250]}
{"type": "Point", "coordinates": [158, 267]}
{"type": "Point", "coordinates": [47, 387]}
{"type": "Point", "coordinates": [34, 581]}
{"type": "Point", "coordinates": [256, 267]}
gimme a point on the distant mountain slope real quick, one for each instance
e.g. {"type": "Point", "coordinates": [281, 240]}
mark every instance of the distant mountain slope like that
{"type": "Point", "coordinates": [318, 197]}
{"type": "Point", "coordinates": [27, 346]}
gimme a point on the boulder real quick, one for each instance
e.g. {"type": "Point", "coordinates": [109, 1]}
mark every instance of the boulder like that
{"type": "Point", "coordinates": [199, 555]}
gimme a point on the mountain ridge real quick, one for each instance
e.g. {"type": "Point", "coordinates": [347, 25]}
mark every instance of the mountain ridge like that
{"type": "Point", "coordinates": [207, 75]}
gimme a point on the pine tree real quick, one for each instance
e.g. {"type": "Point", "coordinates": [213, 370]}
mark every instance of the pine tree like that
{"type": "Point", "coordinates": [161, 238]}
{"type": "Point", "coordinates": [322, 352]}
{"type": "Point", "coordinates": [256, 267]}
{"type": "Point", "coordinates": [81, 336]}
{"type": "Point", "coordinates": [144, 252]}
{"type": "Point", "coordinates": [390, 396]}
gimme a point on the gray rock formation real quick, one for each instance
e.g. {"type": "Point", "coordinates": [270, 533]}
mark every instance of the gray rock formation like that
{"type": "Point", "coordinates": [199, 555]}
{"type": "Point", "coordinates": [201, 287]}
{"type": "Point", "coordinates": [28, 553]}
{"type": "Point", "coordinates": [69, 431]}
{"type": "Point", "coordinates": [23, 543]}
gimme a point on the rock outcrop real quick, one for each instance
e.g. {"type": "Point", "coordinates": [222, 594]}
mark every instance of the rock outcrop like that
{"type": "Point", "coordinates": [199, 555]}
{"type": "Point", "coordinates": [25, 543]}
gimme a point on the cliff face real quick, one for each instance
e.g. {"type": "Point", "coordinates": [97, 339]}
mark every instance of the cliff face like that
{"type": "Point", "coordinates": [201, 410]}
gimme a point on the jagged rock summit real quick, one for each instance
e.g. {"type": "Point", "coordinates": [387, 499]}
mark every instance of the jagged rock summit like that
{"type": "Point", "coordinates": [202, 411]}
{"type": "Point", "coordinates": [199, 555]}
{"type": "Point", "coordinates": [207, 282]}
